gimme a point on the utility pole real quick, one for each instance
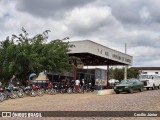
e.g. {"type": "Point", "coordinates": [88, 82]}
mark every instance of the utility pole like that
{"type": "Point", "coordinates": [125, 68]}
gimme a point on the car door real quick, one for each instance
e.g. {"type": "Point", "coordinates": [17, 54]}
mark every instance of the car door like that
{"type": "Point", "coordinates": [138, 84]}
{"type": "Point", "coordinates": [135, 85]}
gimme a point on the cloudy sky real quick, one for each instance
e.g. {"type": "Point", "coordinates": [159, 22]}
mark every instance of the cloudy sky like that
{"type": "Point", "coordinates": [109, 22]}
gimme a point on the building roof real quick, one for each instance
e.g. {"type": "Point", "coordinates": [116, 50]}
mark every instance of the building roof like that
{"type": "Point", "coordinates": [93, 54]}
{"type": "Point", "coordinates": [147, 68]}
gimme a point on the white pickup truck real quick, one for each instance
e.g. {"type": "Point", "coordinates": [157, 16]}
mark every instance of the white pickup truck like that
{"type": "Point", "coordinates": [150, 81]}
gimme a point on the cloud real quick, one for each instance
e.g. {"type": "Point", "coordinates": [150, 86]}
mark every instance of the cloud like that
{"type": "Point", "coordinates": [87, 20]}
{"type": "Point", "coordinates": [108, 22]}
{"type": "Point", "coordinates": [56, 9]}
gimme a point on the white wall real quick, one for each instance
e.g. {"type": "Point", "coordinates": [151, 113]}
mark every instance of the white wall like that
{"type": "Point", "coordinates": [150, 72]}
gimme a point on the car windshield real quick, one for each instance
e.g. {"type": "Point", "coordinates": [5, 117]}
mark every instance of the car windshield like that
{"type": "Point", "coordinates": [126, 81]}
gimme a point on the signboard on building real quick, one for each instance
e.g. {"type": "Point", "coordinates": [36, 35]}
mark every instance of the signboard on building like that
{"type": "Point", "coordinates": [100, 77]}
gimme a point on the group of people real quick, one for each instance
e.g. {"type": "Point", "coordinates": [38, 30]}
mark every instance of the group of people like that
{"type": "Point", "coordinates": [80, 85]}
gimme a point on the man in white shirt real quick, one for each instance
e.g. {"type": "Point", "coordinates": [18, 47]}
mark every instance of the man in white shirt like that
{"type": "Point", "coordinates": [77, 83]}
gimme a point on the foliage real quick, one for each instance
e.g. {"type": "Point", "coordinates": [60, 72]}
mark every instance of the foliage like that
{"type": "Point", "coordinates": [118, 73]}
{"type": "Point", "coordinates": [21, 55]}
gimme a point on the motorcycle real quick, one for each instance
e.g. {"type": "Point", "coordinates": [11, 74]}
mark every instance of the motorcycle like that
{"type": "Point", "coordinates": [90, 88]}
{"type": "Point", "coordinates": [57, 87]}
{"type": "Point", "coordinates": [34, 90]}
{"type": "Point", "coordinates": [2, 95]}
{"type": "Point", "coordinates": [9, 90]}
{"type": "Point", "coordinates": [19, 90]}
{"type": "Point", "coordinates": [49, 89]}
{"type": "Point", "coordinates": [69, 88]}
{"type": "Point", "coordinates": [29, 91]}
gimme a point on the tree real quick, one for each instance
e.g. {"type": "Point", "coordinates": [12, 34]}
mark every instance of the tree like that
{"type": "Point", "coordinates": [118, 73]}
{"type": "Point", "coordinates": [21, 55]}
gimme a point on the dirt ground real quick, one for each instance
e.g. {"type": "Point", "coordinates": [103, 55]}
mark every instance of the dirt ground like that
{"type": "Point", "coordinates": [139, 101]}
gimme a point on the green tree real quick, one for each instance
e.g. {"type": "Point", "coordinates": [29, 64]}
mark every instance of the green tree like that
{"type": "Point", "coordinates": [21, 55]}
{"type": "Point", "coordinates": [118, 73]}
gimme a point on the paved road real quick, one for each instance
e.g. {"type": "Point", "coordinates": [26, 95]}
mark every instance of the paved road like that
{"type": "Point", "coordinates": [139, 101]}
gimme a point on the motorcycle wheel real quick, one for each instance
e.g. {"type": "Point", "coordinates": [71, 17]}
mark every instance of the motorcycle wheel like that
{"type": "Point", "coordinates": [7, 95]}
{"type": "Point", "coordinates": [21, 94]}
{"type": "Point", "coordinates": [33, 93]}
{"type": "Point", "coordinates": [87, 90]}
{"type": "Point", "coordinates": [80, 90]}
{"type": "Point", "coordinates": [73, 90]}
{"type": "Point", "coordinates": [53, 92]}
{"type": "Point", "coordinates": [13, 95]}
{"type": "Point", "coordinates": [92, 90]}
{"type": "Point", "coordinates": [69, 90]}
{"type": "Point", "coordinates": [2, 98]}
{"type": "Point", "coordinates": [40, 92]}
{"type": "Point", "coordinates": [62, 91]}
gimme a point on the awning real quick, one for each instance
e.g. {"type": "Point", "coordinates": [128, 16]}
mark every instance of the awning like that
{"type": "Point", "coordinates": [42, 77]}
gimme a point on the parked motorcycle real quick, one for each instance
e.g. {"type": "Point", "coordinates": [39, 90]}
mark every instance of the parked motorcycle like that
{"type": "Point", "coordinates": [9, 91]}
{"type": "Point", "coordinates": [57, 87]}
{"type": "Point", "coordinates": [19, 90]}
{"type": "Point", "coordinates": [50, 90]}
{"type": "Point", "coordinates": [29, 91]}
{"type": "Point", "coordinates": [2, 94]}
{"type": "Point", "coordinates": [33, 90]}
{"type": "Point", "coordinates": [90, 88]}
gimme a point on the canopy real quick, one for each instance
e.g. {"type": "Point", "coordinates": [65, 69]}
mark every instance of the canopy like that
{"type": "Point", "coordinates": [42, 77]}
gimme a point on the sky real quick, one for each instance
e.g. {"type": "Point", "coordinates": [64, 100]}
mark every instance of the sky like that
{"type": "Point", "coordinates": [108, 22]}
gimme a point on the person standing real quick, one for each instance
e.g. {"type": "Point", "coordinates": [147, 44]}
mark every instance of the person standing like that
{"type": "Point", "coordinates": [77, 83]}
{"type": "Point", "coordinates": [83, 85]}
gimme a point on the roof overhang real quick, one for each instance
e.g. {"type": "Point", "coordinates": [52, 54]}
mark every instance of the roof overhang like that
{"type": "Point", "coordinates": [94, 54]}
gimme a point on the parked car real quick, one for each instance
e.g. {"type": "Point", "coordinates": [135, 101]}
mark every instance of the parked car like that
{"type": "Point", "coordinates": [129, 85]}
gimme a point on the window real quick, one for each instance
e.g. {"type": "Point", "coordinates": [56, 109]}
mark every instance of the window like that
{"type": "Point", "coordinates": [144, 72]}
{"type": "Point", "coordinates": [101, 51]}
{"type": "Point", "coordinates": [98, 50]}
{"type": "Point", "coordinates": [156, 72]}
{"type": "Point", "coordinates": [106, 53]}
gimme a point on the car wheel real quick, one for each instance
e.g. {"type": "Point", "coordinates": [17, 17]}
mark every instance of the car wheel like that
{"type": "Point", "coordinates": [131, 90]}
{"type": "Point", "coordinates": [158, 87]}
{"type": "Point", "coordinates": [117, 92]}
{"type": "Point", "coordinates": [153, 87]}
{"type": "Point", "coordinates": [147, 88]}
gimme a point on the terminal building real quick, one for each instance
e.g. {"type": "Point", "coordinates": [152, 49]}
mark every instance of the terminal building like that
{"type": "Point", "coordinates": [94, 54]}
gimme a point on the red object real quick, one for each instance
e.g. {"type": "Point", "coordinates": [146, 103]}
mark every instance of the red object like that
{"type": "Point", "coordinates": [77, 88]}
{"type": "Point", "coordinates": [34, 86]}
{"type": "Point", "coordinates": [49, 86]}
{"type": "Point", "coordinates": [1, 88]}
